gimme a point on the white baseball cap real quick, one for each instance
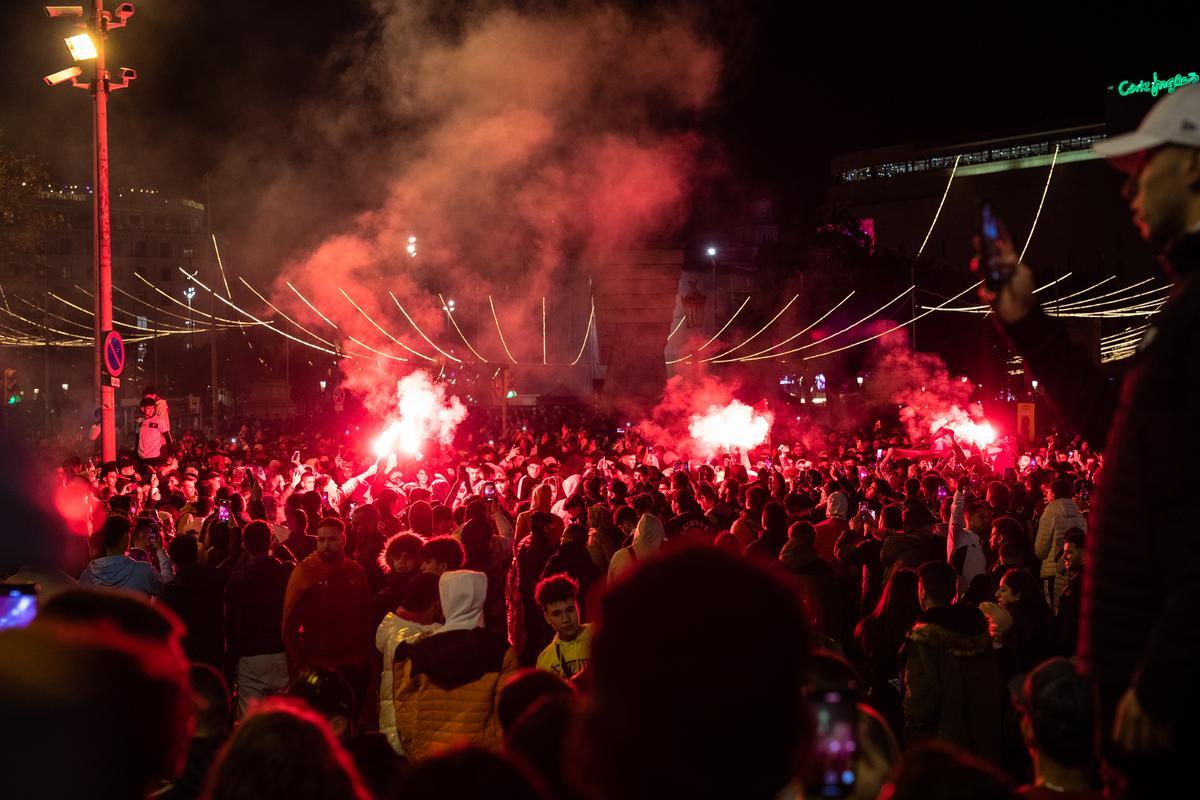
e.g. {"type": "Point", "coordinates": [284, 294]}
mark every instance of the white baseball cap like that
{"type": "Point", "coordinates": [1175, 119]}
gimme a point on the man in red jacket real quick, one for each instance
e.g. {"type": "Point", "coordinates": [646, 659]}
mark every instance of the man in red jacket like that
{"type": "Point", "coordinates": [327, 610]}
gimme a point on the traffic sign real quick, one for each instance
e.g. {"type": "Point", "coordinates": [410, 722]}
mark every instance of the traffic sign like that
{"type": "Point", "coordinates": [114, 353]}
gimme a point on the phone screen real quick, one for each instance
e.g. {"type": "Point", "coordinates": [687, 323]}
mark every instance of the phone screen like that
{"type": "Point", "coordinates": [879, 453]}
{"type": "Point", "coordinates": [941, 493]}
{"type": "Point", "coordinates": [223, 513]}
{"type": "Point", "coordinates": [489, 490]}
{"type": "Point", "coordinates": [18, 605]}
{"type": "Point", "coordinates": [831, 773]}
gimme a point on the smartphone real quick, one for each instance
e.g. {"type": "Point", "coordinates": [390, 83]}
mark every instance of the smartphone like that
{"type": "Point", "coordinates": [942, 494]}
{"type": "Point", "coordinates": [879, 454]}
{"type": "Point", "coordinates": [991, 232]}
{"type": "Point", "coordinates": [864, 507]}
{"type": "Point", "coordinates": [621, 430]}
{"type": "Point", "coordinates": [18, 605]}
{"type": "Point", "coordinates": [489, 490]}
{"type": "Point", "coordinates": [863, 473]}
{"type": "Point", "coordinates": [223, 512]}
{"type": "Point", "coordinates": [831, 771]}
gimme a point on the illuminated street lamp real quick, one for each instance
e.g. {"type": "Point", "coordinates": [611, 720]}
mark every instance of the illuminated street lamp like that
{"type": "Point", "coordinates": [411, 247]}
{"type": "Point", "coordinates": [189, 294]}
{"type": "Point", "coordinates": [89, 46]}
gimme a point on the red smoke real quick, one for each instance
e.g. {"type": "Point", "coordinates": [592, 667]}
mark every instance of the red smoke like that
{"type": "Point", "coordinates": [700, 417]}
{"type": "Point", "coordinates": [424, 414]}
{"type": "Point", "coordinates": [529, 142]}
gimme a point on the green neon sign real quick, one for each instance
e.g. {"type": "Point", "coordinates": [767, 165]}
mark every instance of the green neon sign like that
{"type": "Point", "coordinates": [1153, 86]}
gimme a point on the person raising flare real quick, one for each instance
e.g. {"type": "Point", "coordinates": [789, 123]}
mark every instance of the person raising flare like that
{"type": "Point", "coordinates": [568, 654]}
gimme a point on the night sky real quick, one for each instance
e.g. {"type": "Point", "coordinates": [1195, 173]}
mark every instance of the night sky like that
{"type": "Point", "coordinates": [797, 87]}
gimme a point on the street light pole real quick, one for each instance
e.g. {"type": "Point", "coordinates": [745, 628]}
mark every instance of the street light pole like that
{"type": "Point", "coordinates": [102, 244]}
{"type": "Point", "coordinates": [89, 46]}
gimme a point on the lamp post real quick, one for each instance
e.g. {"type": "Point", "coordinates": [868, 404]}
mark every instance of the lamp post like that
{"type": "Point", "coordinates": [711, 252]}
{"type": "Point", "coordinates": [89, 46]}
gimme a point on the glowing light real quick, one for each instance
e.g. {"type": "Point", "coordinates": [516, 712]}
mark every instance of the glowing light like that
{"type": "Point", "coordinates": [66, 387]}
{"type": "Point", "coordinates": [678, 325]}
{"type": "Point", "coordinates": [543, 331]}
{"type": "Point", "coordinates": [756, 333]}
{"type": "Point", "coordinates": [316, 310]}
{"type": "Point", "coordinates": [965, 427]}
{"type": "Point", "coordinates": [511, 394]}
{"type": "Point", "coordinates": [81, 46]}
{"type": "Point", "coordinates": [1034, 384]}
{"type": "Point", "coordinates": [421, 332]}
{"type": "Point", "coordinates": [859, 380]}
{"type": "Point", "coordinates": [714, 336]}
{"type": "Point", "coordinates": [503, 343]}
{"type": "Point", "coordinates": [448, 308]}
{"type": "Point", "coordinates": [425, 413]}
{"type": "Point", "coordinates": [938, 213]}
{"type": "Point", "coordinates": [379, 328]}
{"type": "Point", "coordinates": [1041, 202]}
{"type": "Point", "coordinates": [735, 425]}
{"type": "Point", "coordinates": [274, 308]}
{"type": "Point", "coordinates": [711, 251]}
{"type": "Point", "coordinates": [586, 333]}
{"type": "Point", "coordinates": [800, 333]}
{"type": "Point", "coordinates": [323, 384]}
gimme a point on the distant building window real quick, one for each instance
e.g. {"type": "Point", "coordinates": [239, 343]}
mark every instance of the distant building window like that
{"type": "Point", "coordinates": [64, 246]}
{"type": "Point", "coordinates": [65, 273]}
{"type": "Point", "coordinates": [160, 223]}
{"type": "Point", "coordinates": [164, 249]}
{"type": "Point", "coordinates": [135, 220]}
{"type": "Point", "coordinates": [139, 249]}
{"type": "Point", "coordinates": [119, 248]}
{"type": "Point", "coordinates": [187, 252]}
{"type": "Point", "coordinates": [166, 273]}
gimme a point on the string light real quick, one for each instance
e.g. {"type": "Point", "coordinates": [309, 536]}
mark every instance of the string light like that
{"type": "Point", "coordinates": [806, 330]}
{"type": "Point", "coordinates": [714, 336]}
{"type": "Point", "coordinates": [421, 332]}
{"type": "Point", "coordinates": [756, 334]}
{"type": "Point", "coordinates": [454, 322]}
{"type": "Point", "coordinates": [586, 333]}
{"type": "Point", "coordinates": [316, 310]}
{"type": "Point", "coordinates": [832, 335]}
{"type": "Point", "coordinates": [380, 328]}
{"type": "Point", "coordinates": [938, 213]}
{"type": "Point", "coordinates": [678, 325]}
{"type": "Point", "coordinates": [1041, 202]}
{"type": "Point", "coordinates": [543, 331]}
{"type": "Point", "coordinates": [894, 328]}
{"type": "Point", "coordinates": [90, 313]}
{"type": "Point", "coordinates": [502, 342]}
{"type": "Point", "coordinates": [182, 304]}
{"type": "Point", "coordinates": [247, 314]}
{"type": "Point", "coordinates": [274, 308]}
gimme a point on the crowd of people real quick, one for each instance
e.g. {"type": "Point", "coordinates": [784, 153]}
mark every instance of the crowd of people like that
{"type": "Point", "coordinates": [358, 621]}
{"type": "Point", "coordinates": [558, 609]}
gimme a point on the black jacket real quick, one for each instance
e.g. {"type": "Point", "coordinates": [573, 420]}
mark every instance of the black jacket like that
{"type": "Point", "coordinates": [197, 595]}
{"type": "Point", "coordinates": [952, 683]}
{"type": "Point", "coordinates": [254, 606]}
{"type": "Point", "coordinates": [1142, 581]}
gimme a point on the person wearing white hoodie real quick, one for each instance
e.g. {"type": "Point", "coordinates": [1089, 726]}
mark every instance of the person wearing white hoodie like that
{"type": "Point", "coordinates": [964, 547]}
{"type": "Point", "coordinates": [647, 540]}
{"type": "Point", "coordinates": [445, 683]}
{"type": "Point", "coordinates": [1061, 515]}
{"type": "Point", "coordinates": [115, 570]}
{"type": "Point", "coordinates": [416, 618]}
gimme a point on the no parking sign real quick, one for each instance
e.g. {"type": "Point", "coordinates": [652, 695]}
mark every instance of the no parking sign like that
{"type": "Point", "coordinates": [113, 354]}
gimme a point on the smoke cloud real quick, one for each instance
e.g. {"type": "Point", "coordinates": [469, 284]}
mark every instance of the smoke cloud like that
{"type": "Point", "coordinates": [513, 147]}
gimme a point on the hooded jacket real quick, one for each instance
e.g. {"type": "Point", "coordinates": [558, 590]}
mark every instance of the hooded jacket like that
{"type": "Point", "coordinates": [1060, 516]}
{"type": "Point", "coordinates": [392, 632]}
{"type": "Point", "coordinates": [445, 683]}
{"type": "Point", "coordinates": [953, 689]}
{"type": "Point", "coordinates": [964, 550]}
{"type": "Point", "coordinates": [123, 572]}
{"type": "Point", "coordinates": [837, 508]}
{"type": "Point", "coordinates": [647, 539]}
{"type": "Point", "coordinates": [818, 586]}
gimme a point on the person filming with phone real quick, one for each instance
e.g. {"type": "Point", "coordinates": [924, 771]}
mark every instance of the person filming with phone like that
{"type": "Point", "coordinates": [1138, 633]}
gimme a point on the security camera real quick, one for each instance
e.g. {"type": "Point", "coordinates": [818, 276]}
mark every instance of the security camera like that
{"type": "Point", "coordinates": [128, 74]}
{"type": "Point", "coordinates": [64, 11]}
{"type": "Point", "coordinates": [62, 76]}
{"type": "Point", "coordinates": [124, 11]}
